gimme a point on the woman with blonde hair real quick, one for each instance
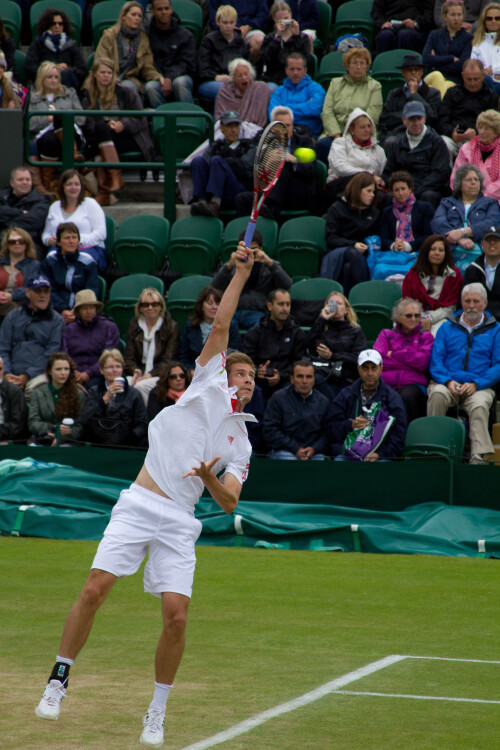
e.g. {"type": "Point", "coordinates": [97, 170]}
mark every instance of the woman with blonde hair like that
{"type": "Point", "coordinates": [152, 341]}
{"type": "Point", "coordinates": [486, 44]}
{"type": "Point", "coordinates": [126, 44]}
{"type": "Point", "coordinates": [108, 136]}
{"type": "Point", "coordinates": [334, 343]}
{"type": "Point", "coordinates": [18, 263]}
{"type": "Point", "coordinates": [484, 152]}
{"type": "Point", "coordinates": [448, 48]}
{"type": "Point", "coordinates": [46, 130]}
{"type": "Point", "coordinates": [285, 38]}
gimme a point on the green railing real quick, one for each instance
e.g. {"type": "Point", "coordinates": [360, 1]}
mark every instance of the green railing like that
{"type": "Point", "coordinates": [169, 164]}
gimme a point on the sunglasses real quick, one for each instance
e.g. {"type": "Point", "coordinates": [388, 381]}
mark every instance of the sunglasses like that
{"type": "Point", "coordinates": [412, 315]}
{"type": "Point", "coordinates": [177, 375]}
{"type": "Point", "coordinates": [16, 242]}
{"type": "Point", "coordinates": [57, 23]}
{"type": "Point", "coordinates": [492, 18]}
{"type": "Point", "coordinates": [150, 304]}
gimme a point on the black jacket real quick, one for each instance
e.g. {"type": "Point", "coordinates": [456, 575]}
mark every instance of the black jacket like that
{"type": "Point", "coordinates": [71, 54]}
{"type": "Point", "coordinates": [26, 211]}
{"type": "Point", "coordinates": [282, 348]}
{"type": "Point", "coordinates": [344, 340]}
{"type": "Point", "coordinates": [174, 50]}
{"type": "Point", "coordinates": [127, 406]}
{"type": "Point", "coordinates": [292, 421]}
{"type": "Point", "coordinates": [421, 217]}
{"type": "Point", "coordinates": [347, 406]}
{"type": "Point", "coordinates": [474, 273]}
{"type": "Point", "coordinates": [192, 344]}
{"type": "Point", "coordinates": [15, 412]}
{"type": "Point", "coordinates": [461, 107]}
{"type": "Point", "coordinates": [216, 53]}
{"type": "Point", "coordinates": [428, 163]}
{"type": "Point", "coordinates": [390, 122]}
{"type": "Point", "coordinates": [274, 53]}
{"type": "Point", "coordinates": [421, 11]}
{"type": "Point", "coordinates": [261, 282]}
{"type": "Point", "coordinates": [346, 225]}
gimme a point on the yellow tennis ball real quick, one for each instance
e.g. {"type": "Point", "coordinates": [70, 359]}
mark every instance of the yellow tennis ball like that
{"type": "Point", "coordinates": [305, 155]}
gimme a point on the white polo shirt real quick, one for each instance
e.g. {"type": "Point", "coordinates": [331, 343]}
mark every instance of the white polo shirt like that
{"type": "Point", "coordinates": [199, 427]}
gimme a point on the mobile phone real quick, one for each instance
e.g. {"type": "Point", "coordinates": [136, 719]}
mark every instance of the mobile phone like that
{"type": "Point", "coordinates": [460, 130]}
{"type": "Point", "coordinates": [269, 372]}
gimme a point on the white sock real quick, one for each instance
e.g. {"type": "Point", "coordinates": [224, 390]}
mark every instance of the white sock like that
{"type": "Point", "coordinates": [160, 696]}
{"type": "Point", "coordinates": [65, 660]}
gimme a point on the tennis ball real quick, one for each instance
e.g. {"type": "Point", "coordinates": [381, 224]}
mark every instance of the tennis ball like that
{"type": "Point", "coordinates": [305, 155]}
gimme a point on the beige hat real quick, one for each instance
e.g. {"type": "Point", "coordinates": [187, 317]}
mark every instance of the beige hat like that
{"type": "Point", "coordinates": [87, 297]}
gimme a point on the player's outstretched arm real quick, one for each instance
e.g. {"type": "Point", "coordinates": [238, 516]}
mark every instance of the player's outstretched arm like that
{"type": "Point", "coordinates": [226, 493]}
{"type": "Point", "coordinates": [219, 336]}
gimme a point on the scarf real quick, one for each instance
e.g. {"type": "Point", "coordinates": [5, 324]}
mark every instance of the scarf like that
{"type": "Point", "coordinates": [365, 144]}
{"type": "Point", "coordinates": [205, 329]}
{"type": "Point", "coordinates": [175, 395]}
{"type": "Point", "coordinates": [127, 43]}
{"type": "Point", "coordinates": [148, 343]}
{"type": "Point", "coordinates": [402, 212]}
{"type": "Point", "coordinates": [476, 157]}
{"type": "Point", "coordinates": [55, 42]}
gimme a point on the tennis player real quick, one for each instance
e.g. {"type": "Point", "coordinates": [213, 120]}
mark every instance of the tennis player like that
{"type": "Point", "coordinates": [189, 444]}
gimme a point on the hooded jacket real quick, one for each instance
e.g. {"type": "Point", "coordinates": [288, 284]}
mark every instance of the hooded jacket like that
{"type": "Point", "coordinates": [304, 99]}
{"type": "Point", "coordinates": [405, 354]}
{"type": "Point", "coordinates": [174, 49]}
{"type": "Point", "coordinates": [343, 95]}
{"type": "Point", "coordinates": [27, 339]}
{"type": "Point", "coordinates": [467, 357]}
{"type": "Point", "coordinates": [348, 157]}
{"type": "Point", "coordinates": [68, 274]}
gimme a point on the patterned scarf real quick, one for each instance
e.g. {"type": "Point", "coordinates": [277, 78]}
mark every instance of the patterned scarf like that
{"type": "Point", "coordinates": [494, 149]}
{"type": "Point", "coordinates": [402, 212]}
{"type": "Point", "coordinates": [127, 43]}
{"type": "Point", "coordinates": [55, 42]}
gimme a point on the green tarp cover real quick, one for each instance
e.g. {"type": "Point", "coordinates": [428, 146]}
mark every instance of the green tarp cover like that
{"type": "Point", "coordinates": [60, 502]}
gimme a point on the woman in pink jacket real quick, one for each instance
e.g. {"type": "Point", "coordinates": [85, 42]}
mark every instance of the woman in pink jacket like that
{"type": "Point", "coordinates": [484, 152]}
{"type": "Point", "coordinates": [406, 353]}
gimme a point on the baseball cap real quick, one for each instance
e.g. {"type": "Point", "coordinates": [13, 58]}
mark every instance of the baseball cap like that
{"type": "Point", "coordinates": [414, 109]}
{"type": "Point", "coordinates": [231, 116]}
{"type": "Point", "coordinates": [370, 355]}
{"type": "Point", "coordinates": [491, 232]}
{"type": "Point", "coordinates": [37, 282]}
{"type": "Point", "coordinates": [411, 60]}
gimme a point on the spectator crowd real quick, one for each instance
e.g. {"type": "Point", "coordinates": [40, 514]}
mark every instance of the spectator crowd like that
{"type": "Point", "coordinates": [408, 183]}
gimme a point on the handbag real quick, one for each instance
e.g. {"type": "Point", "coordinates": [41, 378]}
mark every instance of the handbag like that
{"type": "Point", "coordinates": [110, 431]}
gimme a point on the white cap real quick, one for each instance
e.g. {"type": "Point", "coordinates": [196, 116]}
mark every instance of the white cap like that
{"type": "Point", "coordinates": [370, 355]}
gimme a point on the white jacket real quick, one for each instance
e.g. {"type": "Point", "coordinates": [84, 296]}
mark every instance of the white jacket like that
{"type": "Point", "coordinates": [347, 157]}
{"type": "Point", "coordinates": [488, 52]}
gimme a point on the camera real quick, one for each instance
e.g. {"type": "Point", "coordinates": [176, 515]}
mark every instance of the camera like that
{"type": "Point", "coordinates": [332, 305]}
{"type": "Point", "coordinates": [286, 22]}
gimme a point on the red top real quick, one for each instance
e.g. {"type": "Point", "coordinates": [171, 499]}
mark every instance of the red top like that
{"type": "Point", "coordinates": [450, 292]}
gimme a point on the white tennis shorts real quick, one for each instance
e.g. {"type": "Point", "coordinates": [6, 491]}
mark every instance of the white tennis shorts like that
{"type": "Point", "coordinates": [140, 520]}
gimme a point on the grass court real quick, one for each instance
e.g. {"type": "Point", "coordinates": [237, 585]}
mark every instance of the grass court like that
{"type": "Point", "coordinates": [313, 635]}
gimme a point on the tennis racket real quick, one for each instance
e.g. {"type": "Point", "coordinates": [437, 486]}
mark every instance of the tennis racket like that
{"type": "Point", "coordinates": [269, 161]}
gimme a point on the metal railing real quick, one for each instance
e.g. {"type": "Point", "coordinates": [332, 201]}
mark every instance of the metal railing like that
{"type": "Point", "coordinates": [169, 164]}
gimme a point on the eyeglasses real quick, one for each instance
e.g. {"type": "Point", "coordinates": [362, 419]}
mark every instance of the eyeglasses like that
{"type": "Point", "coordinates": [492, 18]}
{"type": "Point", "coordinates": [57, 23]}
{"type": "Point", "coordinates": [150, 304]}
{"type": "Point", "coordinates": [177, 375]}
{"type": "Point", "coordinates": [412, 315]}
{"type": "Point", "coordinates": [16, 242]}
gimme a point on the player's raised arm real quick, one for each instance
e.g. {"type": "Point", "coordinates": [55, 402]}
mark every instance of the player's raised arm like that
{"type": "Point", "coordinates": [219, 336]}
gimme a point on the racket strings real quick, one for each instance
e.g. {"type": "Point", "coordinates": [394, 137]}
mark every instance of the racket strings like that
{"type": "Point", "coordinates": [272, 153]}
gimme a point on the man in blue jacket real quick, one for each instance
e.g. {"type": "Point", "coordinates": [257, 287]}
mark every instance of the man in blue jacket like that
{"type": "Point", "coordinates": [352, 407]}
{"type": "Point", "coordinates": [304, 96]}
{"type": "Point", "coordinates": [294, 418]}
{"type": "Point", "coordinates": [465, 367]}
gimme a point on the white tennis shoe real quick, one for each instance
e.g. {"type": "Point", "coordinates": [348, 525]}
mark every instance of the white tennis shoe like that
{"type": "Point", "coordinates": [152, 735]}
{"type": "Point", "coordinates": [50, 705]}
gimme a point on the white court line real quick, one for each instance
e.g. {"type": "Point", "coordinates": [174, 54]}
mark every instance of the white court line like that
{"type": "Point", "coordinates": [417, 697]}
{"type": "Point", "coordinates": [449, 658]}
{"type": "Point", "coordinates": [302, 700]}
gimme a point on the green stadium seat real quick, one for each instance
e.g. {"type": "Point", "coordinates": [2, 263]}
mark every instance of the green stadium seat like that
{"type": "Point", "coordinates": [12, 17]}
{"type": "Point", "coordinates": [386, 72]}
{"type": "Point", "coordinates": [122, 311]}
{"type": "Point", "coordinates": [71, 9]}
{"type": "Point", "coordinates": [19, 71]}
{"type": "Point", "coordinates": [182, 295]}
{"type": "Point", "coordinates": [103, 288]}
{"type": "Point", "coordinates": [354, 18]}
{"type": "Point", "coordinates": [373, 302]}
{"type": "Point", "coordinates": [141, 243]}
{"type": "Point", "coordinates": [312, 66]}
{"type": "Point", "coordinates": [301, 245]}
{"type": "Point", "coordinates": [330, 66]}
{"type": "Point", "coordinates": [110, 236]}
{"type": "Point", "coordinates": [190, 131]}
{"type": "Point", "coordinates": [130, 287]}
{"type": "Point", "coordinates": [195, 244]}
{"type": "Point", "coordinates": [322, 40]}
{"type": "Point", "coordinates": [191, 16]}
{"type": "Point", "coordinates": [442, 437]}
{"type": "Point", "coordinates": [104, 15]}
{"type": "Point", "coordinates": [267, 227]}
{"type": "Point", "coordinates": [314, 289]}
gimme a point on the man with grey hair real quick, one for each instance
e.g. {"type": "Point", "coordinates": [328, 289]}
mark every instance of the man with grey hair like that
{"type": "Point", "coordinates": [485, 270]}
{"type": "Point", "coordinates": [465, 368]}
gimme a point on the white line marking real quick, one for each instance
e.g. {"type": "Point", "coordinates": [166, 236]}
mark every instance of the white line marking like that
{"type": "Point", "coordinates": [302, 700]}
{"type": "Point", "coordinates": [448, 658]}
{"type": "Point", "coordinates": [417, 697]}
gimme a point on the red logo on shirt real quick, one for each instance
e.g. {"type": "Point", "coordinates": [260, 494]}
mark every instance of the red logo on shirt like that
{"type": "Point", "coordinates": [230, 438]}
{"type": "Point", "coordinates": [245, 473]}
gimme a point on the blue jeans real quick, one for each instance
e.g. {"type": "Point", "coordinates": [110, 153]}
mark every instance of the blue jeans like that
{"type": "Point", "coordinates": [209, 89]}
{"type": "Point", "coordinates": [403, 38]}
{"type": "Point", "coordinates": [248, 318]}
{"type": "Point", "coordinates": [289, 456]}
{"type": "Point", "coordinates": [215, 177]}
{"type": "Point", "coordinates": [182, 91]}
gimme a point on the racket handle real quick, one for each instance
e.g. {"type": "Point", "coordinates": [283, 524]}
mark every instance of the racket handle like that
{"type": "Point", "coordinates": [249, 232]}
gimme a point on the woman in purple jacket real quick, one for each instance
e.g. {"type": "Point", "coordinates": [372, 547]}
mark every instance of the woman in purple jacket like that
{"type": "Point", "coordinates": [406, 353]}
{"type": "Point", "coordinates": [88, 336]}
